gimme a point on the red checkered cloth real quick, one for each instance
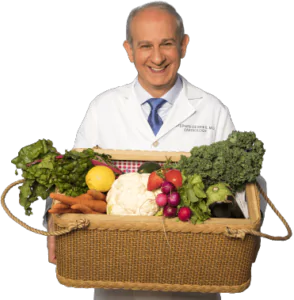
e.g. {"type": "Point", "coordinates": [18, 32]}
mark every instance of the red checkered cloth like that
{"type": "Point", "coordinates": [128, 166]}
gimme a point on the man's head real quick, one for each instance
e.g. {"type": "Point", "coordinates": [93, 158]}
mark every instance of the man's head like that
{"type": "Point", "coordinates": [156, 43]}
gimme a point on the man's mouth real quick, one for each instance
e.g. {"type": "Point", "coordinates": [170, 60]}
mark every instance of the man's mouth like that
{"type": "Point", "coordinates": [157, 70]}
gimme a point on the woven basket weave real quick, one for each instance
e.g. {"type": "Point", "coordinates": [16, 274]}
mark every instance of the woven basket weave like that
{"type": "Point", "coordinates": [148, 259]}
{"type": "Point", "coordinates": [147, 253]}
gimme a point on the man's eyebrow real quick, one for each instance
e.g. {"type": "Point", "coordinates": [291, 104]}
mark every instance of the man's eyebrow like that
{"type": "Point", "coordinates": [143, 42]}
{"type": "Point", "coordinates": [162, 41]}
{"type": "Point", "coordinates": [168, 40]}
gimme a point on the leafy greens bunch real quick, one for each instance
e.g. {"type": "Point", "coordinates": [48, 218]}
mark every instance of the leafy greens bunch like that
{"type": "Point", "coordinates": [193, 196]}
{"type": "Point", "coordinates": [235, 161]}
{"type": "Point", "coordinates": [44, 170]}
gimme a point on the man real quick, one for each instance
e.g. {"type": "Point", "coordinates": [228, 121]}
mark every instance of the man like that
{"type": "Point", "coordinates": [118, 118]}
{"type": "Point", "coordinates": [159, 111]}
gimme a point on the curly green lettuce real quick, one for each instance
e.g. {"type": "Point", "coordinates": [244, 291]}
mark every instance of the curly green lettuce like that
{"type": "Point", "coordinates": [235, 161]}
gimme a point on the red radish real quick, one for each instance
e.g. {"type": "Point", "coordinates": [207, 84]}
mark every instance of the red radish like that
{"type": "Point", "coordinates": [184, 213]}
{"type": "Point", "coordinates": [161, 199]}
{"type": "Point", "coordinates": [174, 199]}
{"type": "Point", "coordinates": [169, 211]}
{"type": "Point", "coordinates": [167, 187]}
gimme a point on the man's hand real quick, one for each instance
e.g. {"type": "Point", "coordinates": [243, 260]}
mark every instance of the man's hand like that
{"type": "Point", "coordinates": [51, 249]}
{"type": "Point", "coordinates": [51, 241]}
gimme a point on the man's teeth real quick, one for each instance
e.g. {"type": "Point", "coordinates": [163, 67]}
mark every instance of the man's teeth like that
{"type": "Point", "coordinates": [157, 70]}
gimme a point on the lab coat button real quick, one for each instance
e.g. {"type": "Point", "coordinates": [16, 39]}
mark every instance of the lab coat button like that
{"type": "Point", "coordinates": [155, 144]}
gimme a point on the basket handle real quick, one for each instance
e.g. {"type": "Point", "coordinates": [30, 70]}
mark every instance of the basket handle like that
{"type": "Point", "coordinates": [240, 233]}
{"type": "Point", "coordinates": [83, 223]}
{"type": "Point", "coordinates": [80, 224]}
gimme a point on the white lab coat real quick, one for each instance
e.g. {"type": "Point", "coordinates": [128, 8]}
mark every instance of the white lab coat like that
{"type": "Point", "coordinates": [115, 120]}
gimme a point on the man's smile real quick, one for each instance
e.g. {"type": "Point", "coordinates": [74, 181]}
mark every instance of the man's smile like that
{"type": "Point", "coordinates": [158, 70]}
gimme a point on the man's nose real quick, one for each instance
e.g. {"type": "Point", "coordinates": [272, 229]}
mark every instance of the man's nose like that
{"type": "Point", "coordinates": [157, 57]}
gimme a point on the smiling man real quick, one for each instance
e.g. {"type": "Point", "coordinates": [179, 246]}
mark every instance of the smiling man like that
{"type": "Point", "coordinates": [160, 110]}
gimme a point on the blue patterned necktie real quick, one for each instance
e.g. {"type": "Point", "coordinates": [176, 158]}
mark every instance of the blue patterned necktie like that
{"type": "Point", "coordinates": [154, 119]}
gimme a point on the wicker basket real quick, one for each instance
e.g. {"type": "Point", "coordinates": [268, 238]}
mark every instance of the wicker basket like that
{"type": "Point", "coordinates": [147, 253]}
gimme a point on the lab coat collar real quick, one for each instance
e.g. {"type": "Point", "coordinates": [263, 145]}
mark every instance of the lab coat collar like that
{"type": "Point", "coordinates": [182, 109]}
{"type": "Point", "coordinates": [169, 96]}
{"type": "Point", "coordinates": [191, 91]}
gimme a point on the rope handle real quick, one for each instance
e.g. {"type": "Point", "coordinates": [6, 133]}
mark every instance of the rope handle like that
{"type": "Point", "coordinates": [240, 233]}
{"type": "Point", "coordinates": [79, 224]}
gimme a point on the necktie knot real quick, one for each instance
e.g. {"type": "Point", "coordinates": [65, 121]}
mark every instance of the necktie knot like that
{"type": "Point", "coordinates": [155, 103]}
{"type": "Point", "coordinates": [154, 119]}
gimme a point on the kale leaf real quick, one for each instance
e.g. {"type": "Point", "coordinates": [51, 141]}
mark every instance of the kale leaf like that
{"type": "Point", "coordinates": [235, 161]}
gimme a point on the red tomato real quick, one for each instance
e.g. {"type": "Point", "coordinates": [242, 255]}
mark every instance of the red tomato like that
{"type": "Point", "coordinates": [174, 176]}
{"type": "Point", "coordinates": [164, 171]}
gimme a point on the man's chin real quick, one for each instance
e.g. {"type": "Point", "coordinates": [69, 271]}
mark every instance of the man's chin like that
{"type": "Point", "coordinates": [162, 84]}
{"type": "Point", "coordinates": [157, 83]}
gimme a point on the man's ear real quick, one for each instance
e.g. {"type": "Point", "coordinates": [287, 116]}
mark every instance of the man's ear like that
{"type": "Point", "coordinates": [184, 44]}
{"type": "Point", "coordinates": [129, 50]}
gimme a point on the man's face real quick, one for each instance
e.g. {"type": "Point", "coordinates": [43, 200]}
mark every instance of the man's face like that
{"type": "Point", "coordinates": [156, 50]}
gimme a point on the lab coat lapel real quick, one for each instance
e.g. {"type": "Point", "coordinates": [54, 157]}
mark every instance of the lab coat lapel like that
{"type": "Point", "coordinates": [180, 111]}
{"type": "Point", "coordinates": [136, 114]}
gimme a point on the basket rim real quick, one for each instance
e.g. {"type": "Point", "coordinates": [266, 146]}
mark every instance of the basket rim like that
{"type": "Point", "coordinates": [155, 223]}
{"type": "Point", "coordinates": [145, 155]}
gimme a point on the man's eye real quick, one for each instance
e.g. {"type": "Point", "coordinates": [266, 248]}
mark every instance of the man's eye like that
{"type": "Point", "coordinates": [145, 46]}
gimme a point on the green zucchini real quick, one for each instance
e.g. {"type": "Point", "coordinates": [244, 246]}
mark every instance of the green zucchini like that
{"type": "Point", "coordinates": [148, 167]}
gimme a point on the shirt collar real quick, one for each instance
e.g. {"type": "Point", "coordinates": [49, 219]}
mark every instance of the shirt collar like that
{"type": "Point", "coordinates": [142, 95]}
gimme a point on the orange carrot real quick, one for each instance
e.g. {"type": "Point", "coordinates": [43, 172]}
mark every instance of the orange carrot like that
{"type": "Point", "coordinates": [69, 199]}
{"type": "Point", "coordinates": [84, 196]}
{"type": "Point", "coordinates": [84, 209]}
{"type": "Point", "coordinates": [97, 205]}
{"type": "Point", "coordinates": [63, 198]}
{"type": "Point", "coordinates": [97, 195]}
{"type": "Point", "coordinates": [60, 205]}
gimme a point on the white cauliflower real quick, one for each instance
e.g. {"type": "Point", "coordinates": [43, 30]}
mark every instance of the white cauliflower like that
{"type": "Point", "coordinates": [129, 196]}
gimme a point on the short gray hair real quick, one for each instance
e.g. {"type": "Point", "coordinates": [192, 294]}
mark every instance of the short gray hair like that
{"type": "Point", "coordinates": [160, 5]}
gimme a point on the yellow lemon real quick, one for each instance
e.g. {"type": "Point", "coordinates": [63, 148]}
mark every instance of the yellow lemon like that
{"type": "Point", "coordinates": [100, 178]}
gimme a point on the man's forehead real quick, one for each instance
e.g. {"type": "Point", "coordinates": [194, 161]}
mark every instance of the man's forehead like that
{"type": "Point", "coordinates": [151, 25]}
{"type": "Point", "coordinates": [154, 15]}
{"type": "Point", "coordinates": [153, 12]}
